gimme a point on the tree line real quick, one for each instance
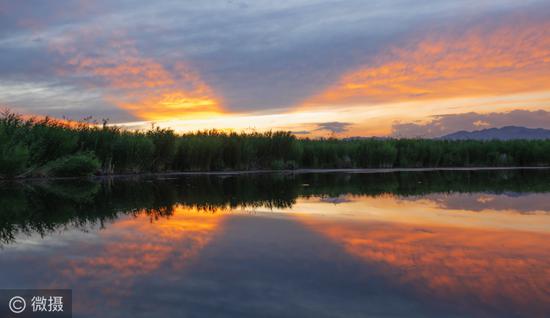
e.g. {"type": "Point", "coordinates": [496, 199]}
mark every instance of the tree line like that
{"type": "Point", "coordinates": [46, 147]}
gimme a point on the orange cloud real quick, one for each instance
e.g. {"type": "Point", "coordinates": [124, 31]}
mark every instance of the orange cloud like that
{"type": "Point", "coordinates": [460, 265]}
{"type": "Point", "coordinates": [142, 85]}
{"type": "Point", "coordinates": [482, 61]}
{"type": "Point", "coordinates": [185, 96]}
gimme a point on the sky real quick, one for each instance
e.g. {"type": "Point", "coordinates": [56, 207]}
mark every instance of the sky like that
{"type": "Point", "coordinates": [402, 68]}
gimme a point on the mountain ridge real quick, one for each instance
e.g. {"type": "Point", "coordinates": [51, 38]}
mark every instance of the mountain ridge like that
{"type": "Point", "coordinates": [502, 133]}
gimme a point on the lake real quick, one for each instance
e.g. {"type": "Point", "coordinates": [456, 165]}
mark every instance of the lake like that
{"type": "Point", "coordinates": [395, 244]}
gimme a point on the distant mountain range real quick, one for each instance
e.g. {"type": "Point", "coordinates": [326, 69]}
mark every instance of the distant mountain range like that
{"type": "Point", "coordinates": [503, 133]}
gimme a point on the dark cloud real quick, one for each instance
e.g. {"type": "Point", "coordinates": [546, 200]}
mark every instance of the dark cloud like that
{"type": "Point", "coordinates": [333, 126]}
{"type": "Point", "coordinates": [59, 100]}
{"type": "Point", "coordinates": [337, 200]}
{"type": "Point", "coordinates": [444, 124]}
{"type": "Point", "coordinates": [301, 132]}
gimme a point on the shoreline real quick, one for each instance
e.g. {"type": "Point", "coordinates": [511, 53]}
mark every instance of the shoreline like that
{"type": "Point", "coordinates": [295, 171]}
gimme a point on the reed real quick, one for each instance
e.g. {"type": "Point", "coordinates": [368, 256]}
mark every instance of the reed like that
{"type": "Point", "coordinates": [46, 147]}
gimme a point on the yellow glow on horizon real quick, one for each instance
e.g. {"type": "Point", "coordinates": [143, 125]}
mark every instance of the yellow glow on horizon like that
{"type": "Point", "coordinates": [366, 120]}
{"type": "Point", "coordinates": [171, 105]}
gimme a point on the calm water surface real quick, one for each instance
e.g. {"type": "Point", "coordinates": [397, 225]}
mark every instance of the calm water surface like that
{"type": "Point", "coordinates": [409, 244]}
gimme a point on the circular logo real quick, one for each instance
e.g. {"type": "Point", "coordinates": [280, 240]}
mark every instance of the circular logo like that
{"type": "Point", "coordinates": [17, 304]}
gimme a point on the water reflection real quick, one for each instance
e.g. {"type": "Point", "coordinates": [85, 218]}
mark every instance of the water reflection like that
{"type": "Point", "coordinates": [110, 263]}
{"type": "Point", "coordinates": [43, 207]}
{"type": "Point", "coordinates": [504, 272]}
{"type": "Point", "coordinates": [399, 244]}
{"type": "Point", "coordinates": [423, 211]}
{"type": "Point", "coordinates": [528, 203]}
{"type": "Point", "coordinates": [132, 250]}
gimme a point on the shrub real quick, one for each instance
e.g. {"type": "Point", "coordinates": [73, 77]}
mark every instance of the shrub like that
{"type": "Point", "coordinates": [77, 165]}
{"type": "Point", "coordinates": [291, 165]}
{"type": "Point", "coordinates": [13, 160]}
{"type": "Point", "coordinates": [277, 165]}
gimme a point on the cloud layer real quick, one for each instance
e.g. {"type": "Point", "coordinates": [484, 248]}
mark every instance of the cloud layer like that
{"type": "Point", "coordinates": [140, 85]}
{"type": "Point", "coordinates": [171, 61]}
{"type": "Point", "coordinates": [489, 58]}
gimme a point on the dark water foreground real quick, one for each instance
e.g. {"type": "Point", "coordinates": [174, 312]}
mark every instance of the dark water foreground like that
{"type": "Point", "coordinates": [407, 244]}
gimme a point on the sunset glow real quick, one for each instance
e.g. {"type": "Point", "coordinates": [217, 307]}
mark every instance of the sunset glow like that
{"type": "Point", "coordinates": [481, 61]}
{"type": "Point", "coordinates": [304, 158]}
{"type": "Point", "coordinates": [470, 247]}
{"type": "Point", "coordinates": [449, 263]}
{"type": "Point", "coordinates": [371, 78]}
